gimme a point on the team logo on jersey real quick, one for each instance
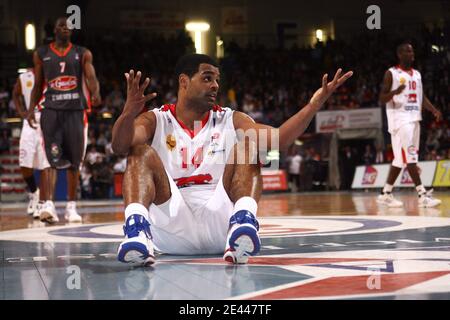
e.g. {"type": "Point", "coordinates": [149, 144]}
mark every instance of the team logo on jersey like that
{"type": "Point", "coordinates": [76, 56]}
{"type": "Point", "coordinates": [29, 84]}
{"type": "Point", "coordinates": [402, 80]}
{"type": "Point", "coordinates": [171, 143]}
{"type": "Point", "coordinates": [63, 83]}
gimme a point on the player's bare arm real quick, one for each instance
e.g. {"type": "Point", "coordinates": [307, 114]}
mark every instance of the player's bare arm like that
{"type": "Point", "coordinates": [292, 128]}
{"type": "Point", "coordinates": [91, 78]}
{"type": "Point", "coordinates": [132, 129]}
{"type": "Point", "coordinates": [429, 106]}
{"type": "Point", "coordinates": [36, 93]}
{"type": "Point", "coordinates": [386, 94]}
{"type": "Point", "coordinates": [18, 100]}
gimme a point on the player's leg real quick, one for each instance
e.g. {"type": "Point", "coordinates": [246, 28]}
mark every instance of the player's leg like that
{"type": "Point", "coordinates": [26, 156]}
{"type": "Point", "coordinates": [40, 163]}
{"type": "Point", "coordinates": [242, 182]}
{"type": "Point", "coordinates": [145, 182]}
{"type": "Point", "coordinates": [33, 191]}
{"type": "Point", "coordinates": [73, 150]}
{"type": "Point", "coordinates": [51, 128]}
{"type": "Point", "coordinates": [386, 196]}
{"type": "Point", "coordinates": [412, 141]}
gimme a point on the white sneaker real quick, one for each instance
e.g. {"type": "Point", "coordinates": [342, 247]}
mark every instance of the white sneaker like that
{"type": "Point", "coordinates": [37, 212]}
{"type": "Point", "coordinates": [71, 213]}
{"type": "Point", "coordinates": [138, 246]}
{"type": "Point", "coordinates": [48, 212]}
{"type": "Point", "coordinates": [389, 200]}
{"type": "Point", "coordinates": [426, 200]}
{"type": "Point", "coordinates": [243, 239]}
{"type": "Point", "coordinates": [34, 199]}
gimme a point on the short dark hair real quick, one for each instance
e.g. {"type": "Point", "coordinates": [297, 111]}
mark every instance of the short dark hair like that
{"type": "Point", "coordinates": [402, 45]}
{"type": "Point", "coordinates": [189, 63]}
{"type": "Point", "coordinates": [60, 18]}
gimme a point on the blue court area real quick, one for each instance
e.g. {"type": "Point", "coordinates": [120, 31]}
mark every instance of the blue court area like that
{"type": "Point", "coordinates": [372, 255]}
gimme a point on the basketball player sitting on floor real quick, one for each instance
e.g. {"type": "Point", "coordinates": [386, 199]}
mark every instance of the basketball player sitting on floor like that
{"type": "Point", "coordinates": [193, 179]}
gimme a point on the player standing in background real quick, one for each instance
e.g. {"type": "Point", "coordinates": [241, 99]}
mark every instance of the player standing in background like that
{"type": "Point", "coordinates": [402, 92]}
{"type": "Point", "coordinates": [32, 153]}
{"type": "Point", "coordinates": [61, 69]}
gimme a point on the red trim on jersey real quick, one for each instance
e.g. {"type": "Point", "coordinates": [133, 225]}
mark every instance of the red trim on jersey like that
{"type": "Point", "coordinates": [217, 108]}
{"type": "Point", "coordinates": [410, 71]}
{"type": "Point", "coordinates": [40, 105]}
{"type": "Point", "coordinates": [172, 108]}
{"type": "Point", "coordinates": [53, 48]}
{"type": "Point", "coordinates": [85, 118]}
{"type": "Point", "coordinates": [197, 179]}
{"type": "Point", "coordinates": [404, 156]}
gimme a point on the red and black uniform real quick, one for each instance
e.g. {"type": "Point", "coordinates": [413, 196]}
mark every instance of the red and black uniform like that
{"type": "Point", "coordinates": [63, 105]}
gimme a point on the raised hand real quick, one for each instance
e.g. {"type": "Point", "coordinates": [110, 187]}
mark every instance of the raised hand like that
{"type": "Point", "coordinates": [136, 98]}
{"type": "Point", "coordinates": [327, 89]}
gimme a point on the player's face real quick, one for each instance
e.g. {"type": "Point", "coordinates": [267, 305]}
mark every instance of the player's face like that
{"type": "Point", "coordinates": [407, 54]}
{"type": "Point", "coordinates": [62, 32]}
{"type": "Point", "coordinates": [204, 85]}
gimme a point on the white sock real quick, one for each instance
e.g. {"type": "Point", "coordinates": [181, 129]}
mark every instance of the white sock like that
{"type": "Point", "coordinates": [246, 203]}
{"type": "Point", "coordinates": [136, 208]}
{"type": "Point", "coordinates": [388, 188]}
{"type": "Point", "coordinates": [71, 204]}
{"type": "Point", "coordinates": [421, 189]}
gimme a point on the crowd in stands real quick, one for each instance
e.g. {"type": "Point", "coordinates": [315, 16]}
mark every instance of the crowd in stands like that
{"type": "Point", "coordinates": [269, 84]}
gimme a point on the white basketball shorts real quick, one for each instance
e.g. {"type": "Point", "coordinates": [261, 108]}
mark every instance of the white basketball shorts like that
{"type": "Point", "coordinates": [193, 221]}
{"type": "Point", "coordinates": [405, 144]}
{"type": "Point", "coordinates": [31, 147]}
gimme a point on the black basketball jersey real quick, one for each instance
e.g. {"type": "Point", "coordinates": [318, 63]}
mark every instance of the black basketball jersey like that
{"type": "Point", "coordinates": [63, 74]}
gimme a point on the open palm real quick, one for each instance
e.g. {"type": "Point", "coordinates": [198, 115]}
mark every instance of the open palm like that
{"type": "Point", "coordinates": [327, 89]}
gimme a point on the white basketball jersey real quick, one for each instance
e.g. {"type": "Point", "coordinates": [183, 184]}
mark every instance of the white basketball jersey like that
{"type": "Point", "coordinates": [27, 83]}
{"type": "Point", "coordinates": [194, 157]}
{"type": "Point", "coordinates": [405, 107]}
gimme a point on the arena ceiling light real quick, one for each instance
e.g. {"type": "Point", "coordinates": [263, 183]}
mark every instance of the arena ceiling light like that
{"type": "Point", "coordinates": [319, 35]}
{"type": "Point", "coordinates": [30, 36]}
{"type": "Point", "coordinates": [198, 28]}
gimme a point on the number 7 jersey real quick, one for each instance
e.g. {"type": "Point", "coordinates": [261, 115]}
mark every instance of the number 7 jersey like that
{"type": "Point", "coordinates": [194, 157]}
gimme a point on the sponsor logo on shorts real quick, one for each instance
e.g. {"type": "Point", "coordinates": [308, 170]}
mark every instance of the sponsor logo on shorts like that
{"type": "Point", "coordinates": [412, 150]}
{"type": "Point", "coordinates": [54, 150]}
{"type": "Point", "coordinates": [22, 154]}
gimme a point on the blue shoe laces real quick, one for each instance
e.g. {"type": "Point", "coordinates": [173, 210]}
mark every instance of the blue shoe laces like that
{"type": "Point", "coordinates": [244, 216]}
{"type": "Point", "coordinates": [140, 224]}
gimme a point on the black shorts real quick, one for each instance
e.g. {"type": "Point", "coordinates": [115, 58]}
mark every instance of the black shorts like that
{"type": "Point", "coordinates": [64, 137]}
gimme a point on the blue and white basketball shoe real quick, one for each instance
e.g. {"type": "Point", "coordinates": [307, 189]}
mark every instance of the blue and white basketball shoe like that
{"type": "Point", "coordinates": [137, 248]}
{"type": "Point", "coordinates": [243, 239]}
